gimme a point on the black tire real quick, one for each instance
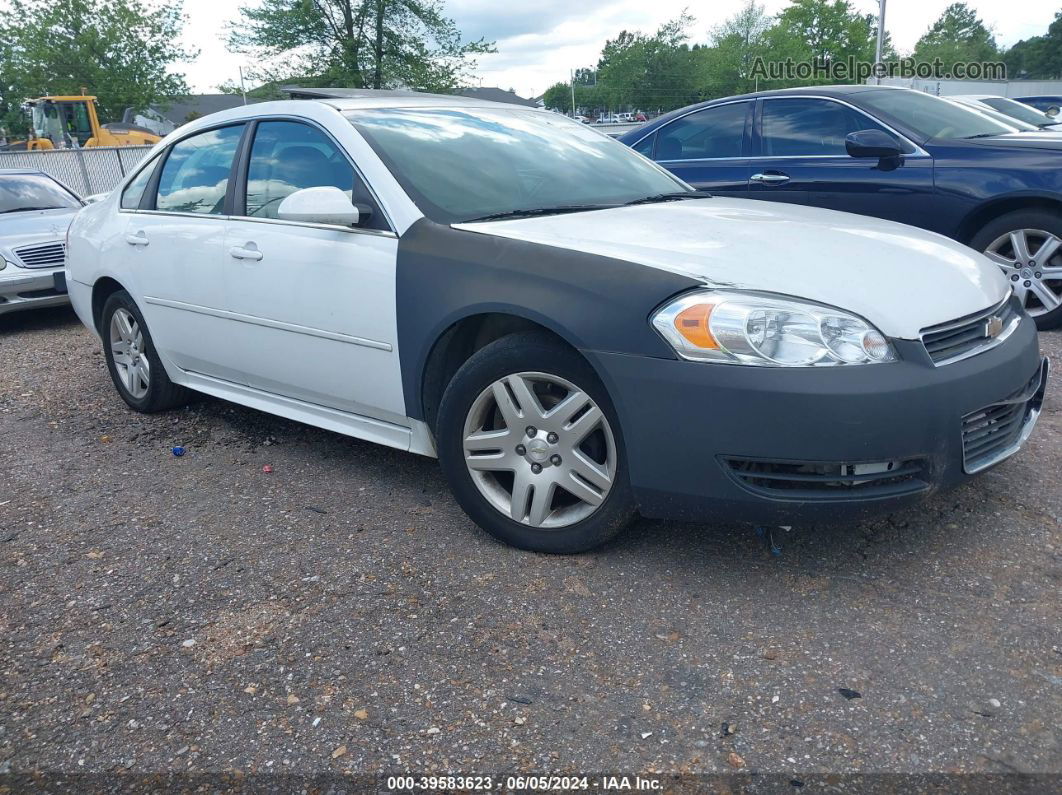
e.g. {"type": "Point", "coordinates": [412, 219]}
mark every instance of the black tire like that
{"type": "Point", "coordinates": [162, 393]}
{"type": "Point", "coordinates": [1044, 220]}
{"type": "Point", "coordinates": [516, 353]}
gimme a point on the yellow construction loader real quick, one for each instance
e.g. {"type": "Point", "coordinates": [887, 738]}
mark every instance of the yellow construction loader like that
{"type": "Point", "coordinates": [72, 122]}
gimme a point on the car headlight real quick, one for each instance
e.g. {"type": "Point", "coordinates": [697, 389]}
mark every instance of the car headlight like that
{"type": "Point", "coordinates": [3, 263]}
{"type": "Point", "coordinates": [751, 328]}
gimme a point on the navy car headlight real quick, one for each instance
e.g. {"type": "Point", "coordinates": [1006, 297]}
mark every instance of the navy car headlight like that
{"type": "Point", "coordinates": [751, 328]}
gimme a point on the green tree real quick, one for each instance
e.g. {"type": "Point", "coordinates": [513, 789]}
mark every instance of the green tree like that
{"type": "Point", "coordinates": [957, 36]}
{"type": "Point", "coordinates": [356, 43]}
{"type": "Point", "coordinates": [588, 95]}
{"type": "Point", "coordinates": [121, 51]}
{"type": "Point", "coordinates": [821, 31]}
{"type": "Point", "coordinates": [649, 72]}
{"type": "Point", "coordinates": [558, 97]}
{"type": "Point", "coordinates": [724, 68]}
{"type": "Point", "coordinates": [1039, 57]}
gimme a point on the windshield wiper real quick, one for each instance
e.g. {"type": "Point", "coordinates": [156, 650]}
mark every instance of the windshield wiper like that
{"type": "Point", "coordinates": [27, 209]}
{"type": "Point", "coordinates": [531, 212]}
{"type": "Point", "coordinates": [670, 197]}
{"type": "Point", "coordinates": [982, 135]}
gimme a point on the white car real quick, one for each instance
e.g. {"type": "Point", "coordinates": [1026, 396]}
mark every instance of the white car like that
{"type": "Point", "coordinates": [35, 211]}
{"type": "Point", "coordinates": [574, 332]}
{"type": "Point", "coordinates": [1011, 109]}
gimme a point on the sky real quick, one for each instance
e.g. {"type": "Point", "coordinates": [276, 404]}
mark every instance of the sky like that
{"type": "Point", "coordinates": [539, 41]}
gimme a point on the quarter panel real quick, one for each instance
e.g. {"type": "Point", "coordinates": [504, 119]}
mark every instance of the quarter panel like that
{"type": "Point", "coordinates": [596, 303]}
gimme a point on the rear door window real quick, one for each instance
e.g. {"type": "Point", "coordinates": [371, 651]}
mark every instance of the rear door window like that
{"type": "Point", "coordinates": [196, 173]}
{"type": "Point", "coordinates": [712, 133]}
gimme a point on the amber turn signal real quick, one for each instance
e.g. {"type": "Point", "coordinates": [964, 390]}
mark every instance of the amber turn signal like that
{"type": "Point", "coordinates": [692, 323]}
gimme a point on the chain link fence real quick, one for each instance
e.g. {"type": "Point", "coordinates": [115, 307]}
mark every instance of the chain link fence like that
{"type": "Point", "coordinates": [84, 171]}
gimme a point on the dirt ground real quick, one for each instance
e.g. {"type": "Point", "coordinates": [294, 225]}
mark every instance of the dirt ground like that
{"type": "Point", "coordinates": [196, 614]}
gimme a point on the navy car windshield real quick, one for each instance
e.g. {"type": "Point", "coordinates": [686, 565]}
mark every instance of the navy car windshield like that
{"type": "Point", "coordinates": [25, 192]}
{"type": "Point", "coordinates": [931, 117]}
{"type": "Point", "coordinates": [472, 163]}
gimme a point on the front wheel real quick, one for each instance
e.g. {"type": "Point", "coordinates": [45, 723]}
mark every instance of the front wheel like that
{"type": "Point", "coordinates": [531, 447]}
{"type": "Point", "coordinates": [1027, 247]}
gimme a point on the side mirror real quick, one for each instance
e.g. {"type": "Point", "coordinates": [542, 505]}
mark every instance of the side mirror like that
{"type": "Point", "coordinates": [1052, 111]}
{"type": "Point", "coordinates": [871, 143]}
{"type": "Point", "coordinates": [95, 197]}
{"type": "Point", "coordinates": [325, 205]}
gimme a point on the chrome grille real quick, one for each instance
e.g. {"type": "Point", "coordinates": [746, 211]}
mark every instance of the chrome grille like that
{"type": "Point", "coordinates": [45, 255]}
{"type": "Point", "coordinates": [970, 335]}
{"type": "Point", "coordinates": [994, 432]}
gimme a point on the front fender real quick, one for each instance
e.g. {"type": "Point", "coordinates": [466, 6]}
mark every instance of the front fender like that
{"type": "Point", "coordinates": [596, 303]}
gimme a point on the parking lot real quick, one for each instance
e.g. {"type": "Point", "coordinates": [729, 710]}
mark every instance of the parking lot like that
{"type": "Point", "coordinates": [341, 613]}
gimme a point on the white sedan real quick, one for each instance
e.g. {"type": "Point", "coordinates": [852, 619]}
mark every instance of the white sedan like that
{"type": "Point", "coordinates": [35, 211]}
{"type": "Point", "coordinates": [574, 332]}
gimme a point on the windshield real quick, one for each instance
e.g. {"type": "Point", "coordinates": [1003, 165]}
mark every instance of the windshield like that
{"type": "Point", "coordinates": [932, 117]}
{"type": "Point", "coordinates": [20, 192]}
{"type": "Point", "coordinates": [463, 164]}
{"type": "Point", "coordinates": [1018, 111]}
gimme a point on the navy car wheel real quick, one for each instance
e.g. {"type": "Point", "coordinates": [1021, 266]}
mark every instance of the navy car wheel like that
{"type": "Point", "coordinates": [1027, 247]}
{"type": "Point", "coordinates": [530, 445]}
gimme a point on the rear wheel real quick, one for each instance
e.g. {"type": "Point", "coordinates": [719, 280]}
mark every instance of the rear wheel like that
{"type": "Point", "coordinates": [530, 445]}
{"type": "Point", "coordinates": [1027, 246]}
{"type": "Point", "coordinates": [133, 363]}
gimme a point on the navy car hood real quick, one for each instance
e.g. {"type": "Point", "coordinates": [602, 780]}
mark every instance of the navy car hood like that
{"type": "Point", "coordinates": [1044, 139]}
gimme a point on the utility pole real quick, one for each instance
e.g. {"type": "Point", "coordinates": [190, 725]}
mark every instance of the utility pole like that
{"type": "Point", "coordinates": [881, 38]}
{"type": "Point", "coordinates": [572, 73]}
{"type": "Point", "coordinates": [242, 89]}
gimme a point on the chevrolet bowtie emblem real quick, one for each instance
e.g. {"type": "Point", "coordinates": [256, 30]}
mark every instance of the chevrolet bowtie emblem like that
{"type": "Point", "coordinates": [993, 326]}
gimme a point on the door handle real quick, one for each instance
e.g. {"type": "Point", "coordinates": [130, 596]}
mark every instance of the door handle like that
{"type": "Point", "coordinates": [770, 179]}
{"type": "Point", "coordinates": [250, 251]}
{"type": "Point", "coordinates": [139, 239]}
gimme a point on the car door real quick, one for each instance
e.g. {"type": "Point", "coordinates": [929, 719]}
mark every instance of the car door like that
{"type": "Point", "coordinates": [174, 240]}
{"type": "Point", "coordinates": [803, 159]}
{"type": "Point", "coordinates": [316, 303]}
{"type": "Point", "coordinates": [706, 148]}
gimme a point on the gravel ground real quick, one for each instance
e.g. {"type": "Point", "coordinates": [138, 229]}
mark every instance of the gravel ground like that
{"type": "Point", "coordinates": [341, 614]}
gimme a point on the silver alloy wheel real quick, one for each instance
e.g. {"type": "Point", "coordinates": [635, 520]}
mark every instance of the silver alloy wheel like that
{"type": "Point", "coordinates": [1032, 260]}
{"type": "Point", "coordinates": [540, 450]}
{"type": "Point", "coordinates": [127, 349]}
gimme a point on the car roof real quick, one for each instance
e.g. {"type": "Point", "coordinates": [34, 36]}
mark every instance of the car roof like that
{"type": "Point", "coordinates": [827, 91]}
{"type": "Point", "coordinates": [802, 91]}
{"type": "Point", "coordinates": [351, 98]}
{"type": "Point", "coordinates": [329, 102]}
{"type": "Point", "coordinates": [7, 172]}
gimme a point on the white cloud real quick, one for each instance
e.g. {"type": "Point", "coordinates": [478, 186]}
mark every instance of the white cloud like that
{"type": "Point", "coordinates": [539, 42]}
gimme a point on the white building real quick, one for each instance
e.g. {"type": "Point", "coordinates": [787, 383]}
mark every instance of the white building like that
{"type": "Point", "coordinates": [1002, 88]}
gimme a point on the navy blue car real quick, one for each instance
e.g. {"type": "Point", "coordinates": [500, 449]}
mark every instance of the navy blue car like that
{"type": "Point", "coordinates": [887, 152]}
{"type": "Point", "coordinates": [1047, 103]}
